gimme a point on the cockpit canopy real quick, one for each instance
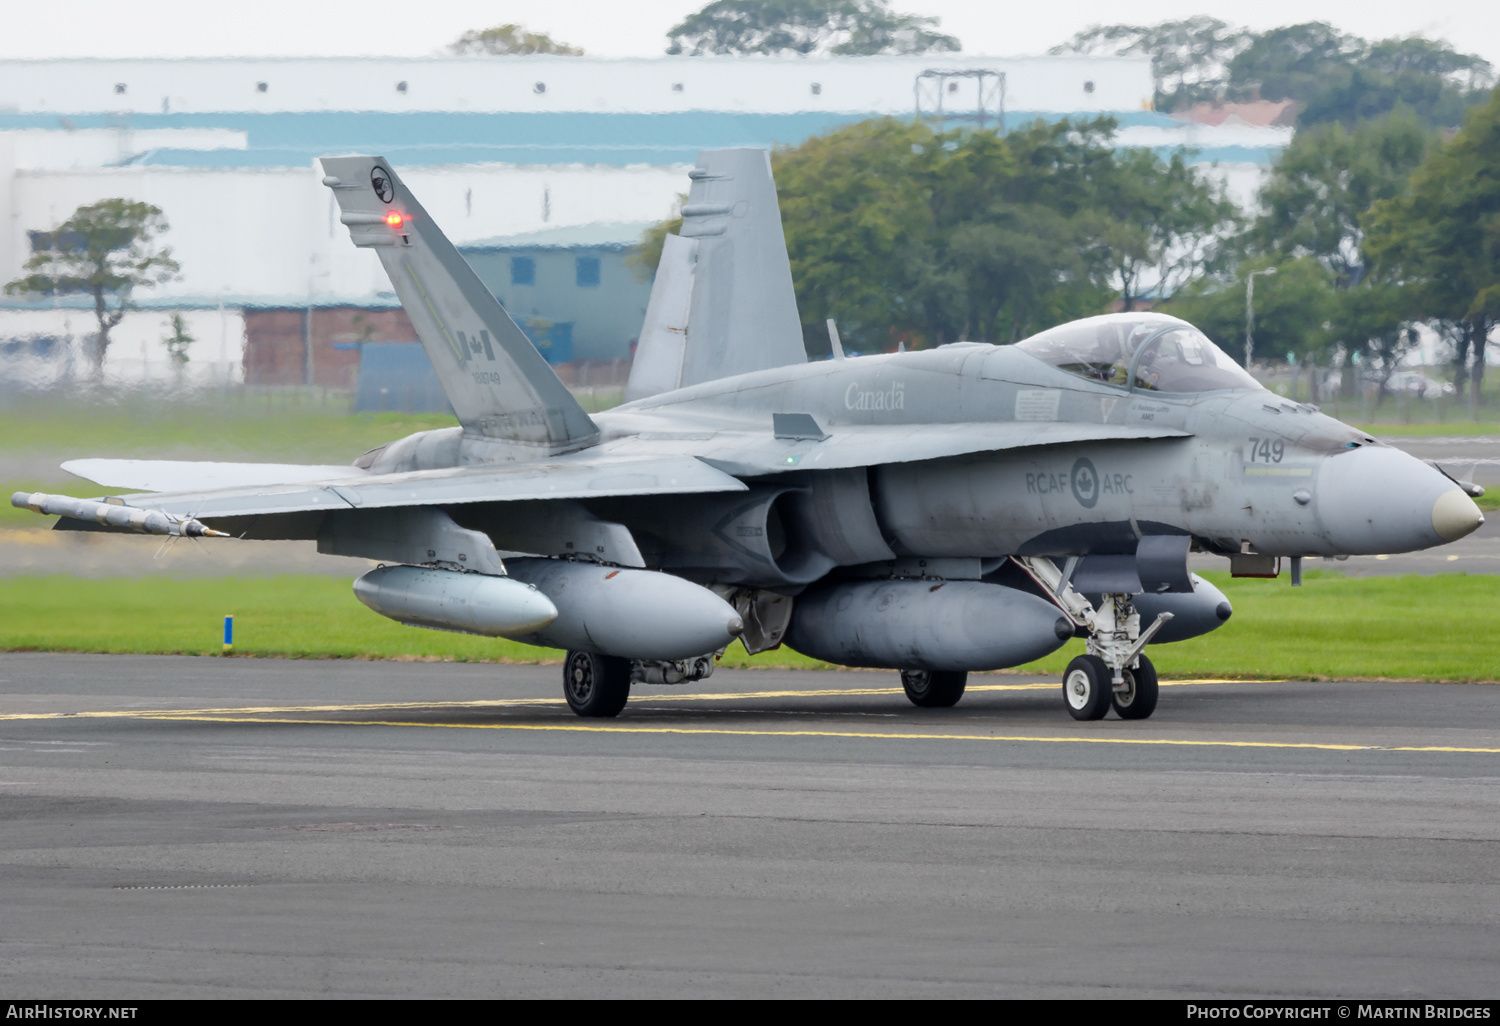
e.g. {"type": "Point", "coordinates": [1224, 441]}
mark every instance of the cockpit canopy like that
{"type": "Point", "coordinates": [1144, 351]}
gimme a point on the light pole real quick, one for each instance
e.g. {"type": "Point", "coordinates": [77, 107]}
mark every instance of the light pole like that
{"type": "Point", "coordinates": [1250, 313]}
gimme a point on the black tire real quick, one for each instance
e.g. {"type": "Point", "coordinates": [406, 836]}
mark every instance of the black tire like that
{"type": "Point", "coordinates": [934, 689]}
{"type": "Point", "coordinates": [596, 685]}
{"type": "Point", "coordinates": [1138, 700]}
{"type": "Point", "coordinates": [1087, 688]}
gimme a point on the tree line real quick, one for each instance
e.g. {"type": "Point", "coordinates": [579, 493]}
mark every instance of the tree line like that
{"type": "Point", "coordinates": [1325, 74]}
{"type": "Point", "coordinates": [1374, 231]}
{"type": "Point", "coordinates": [908, 235]}
{"type": "Point", "coordinates": [1328, 75]}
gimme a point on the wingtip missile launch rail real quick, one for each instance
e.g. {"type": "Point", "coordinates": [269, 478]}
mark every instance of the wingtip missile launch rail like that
{"type": "Point", "coordinates": [115, 514]}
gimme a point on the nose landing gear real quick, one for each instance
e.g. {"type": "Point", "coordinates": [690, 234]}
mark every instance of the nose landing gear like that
{"type": "Point", "coordinates": [1114, 673]}
{"type": "Point", "coordinates": [1135, 699]}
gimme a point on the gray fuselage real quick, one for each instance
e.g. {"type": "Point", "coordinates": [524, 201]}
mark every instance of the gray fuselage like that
{"type": "Point", "coordinates": [1250, 467]}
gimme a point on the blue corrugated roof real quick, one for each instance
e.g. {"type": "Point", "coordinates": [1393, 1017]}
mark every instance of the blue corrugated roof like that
{"type": "Point", "coordinates": [611, 235]}
{"type": "Point", "coordinates": [448, 137]}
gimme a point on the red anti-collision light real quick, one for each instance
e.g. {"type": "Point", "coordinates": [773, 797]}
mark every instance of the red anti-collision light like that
{"type": "Point", "coordinates": [394, 219]}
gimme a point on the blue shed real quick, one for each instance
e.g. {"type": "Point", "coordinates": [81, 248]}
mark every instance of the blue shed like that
{"type": "Point", "coordinates": [570, 289]}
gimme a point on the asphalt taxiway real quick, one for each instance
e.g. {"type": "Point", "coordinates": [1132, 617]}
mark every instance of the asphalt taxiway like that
{"type": "Point", "coordinates": [247, 827]}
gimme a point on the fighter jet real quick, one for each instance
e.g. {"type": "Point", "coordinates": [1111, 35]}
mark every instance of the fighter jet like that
{"type": "Point", "coordinates": [964, 508]}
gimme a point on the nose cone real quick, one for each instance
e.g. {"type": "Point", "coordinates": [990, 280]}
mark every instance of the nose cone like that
{"type": "Point", "coordinates": [1377, 500]}
{"type": "Point", "coordinates": [1455, 515]}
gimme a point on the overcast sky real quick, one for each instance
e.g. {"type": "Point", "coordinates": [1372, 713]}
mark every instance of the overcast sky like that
{"type": "Point", "coordinates": [637, 28]}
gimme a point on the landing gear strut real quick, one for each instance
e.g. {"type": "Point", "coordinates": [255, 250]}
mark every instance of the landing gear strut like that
{"type": "Point", "coordinates": [1114, 672]}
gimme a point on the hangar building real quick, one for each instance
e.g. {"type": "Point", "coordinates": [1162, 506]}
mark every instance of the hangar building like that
{"type": "Point", "coordinates": [555, 163]}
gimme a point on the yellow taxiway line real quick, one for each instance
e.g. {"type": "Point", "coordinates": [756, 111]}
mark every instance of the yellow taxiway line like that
{"type": "Point", "coordinates": [278, 715]}
{"type": "Point", "coordinates": [503, 703]}
{"type": "Point", "coordinates": [857, 734]}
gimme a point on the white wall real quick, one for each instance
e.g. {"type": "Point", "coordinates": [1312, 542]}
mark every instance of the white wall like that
{"type": "Point", "coordinates": [752, 84]}
{"type": "Point", "coordinates": [274, 234]}
{"type": "Point", "coordinates": [136, 354]}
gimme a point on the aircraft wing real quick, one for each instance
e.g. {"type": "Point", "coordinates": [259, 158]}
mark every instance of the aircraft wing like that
{"type": "Point", "coordinates": [184, 475]}
{"type": "Point", "coordinates": [566, 477]}
{"type": "Point", "coordinates": [757, 453]}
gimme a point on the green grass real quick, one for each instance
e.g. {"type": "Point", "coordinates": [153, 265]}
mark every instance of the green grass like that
{"type": "Point", "coordinates": [1423, 628]}
{"type": "Point", "coordinates": [271, 429]}
{"type": "Point", "coordinates": [1420, 628]}
{"type": "Point", "coordinates": [1448, 429]}
{"type": "Point", "coordinates": [233, 428]}
{"type": "Point", "coordinates": [296, 616]}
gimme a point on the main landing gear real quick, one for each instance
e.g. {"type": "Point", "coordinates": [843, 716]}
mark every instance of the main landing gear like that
{"type": "Point", "coordinates": [596, 685]}
{"type": "Point", "coordinates": [934, 689]}
{"type": "Point", "coordinates": [1114, 672]}
{"type": "Point", "coordinates": [599, 685]}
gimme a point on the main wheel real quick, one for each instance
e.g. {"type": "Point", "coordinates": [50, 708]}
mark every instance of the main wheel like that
{"type": "Point", "coordinates": [934, 689]}
{"type": "Point", "coordinates": [1086, 688]}
{"type": "Point", "coordinates": [1138, 699]}
{"type": "Point", "coordinates": [596, 685]}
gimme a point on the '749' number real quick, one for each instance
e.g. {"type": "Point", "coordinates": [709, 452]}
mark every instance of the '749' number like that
{"type": "Point", "coordinates": [1263, 450]}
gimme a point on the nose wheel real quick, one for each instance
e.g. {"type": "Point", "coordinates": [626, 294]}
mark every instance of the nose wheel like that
{"type": "Point", "coordinates": [1086, 688]}
{"type": "Point", "coordinates": [1135, 698]}
{"type": "Point", "coordinates": [1115, 672]}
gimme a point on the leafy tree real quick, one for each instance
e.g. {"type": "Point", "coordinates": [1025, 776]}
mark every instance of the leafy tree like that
{"type": "Point", "coordinates": [1018, 232]}
{"type": "Point", "coordinates": [1324, 182]}
{"type": "Point", "coordinates": [906, 234]}
{"type": "Point", "coordinates": [1338, 77]}
{"type": "Point", "coordinates": [1442, 239]}
{"type": "Point", "coordinates": [806, 27]}
{"type": "Point", "coordinates": [1189, 58]}
{"type": "Point", "coordinates": [504, 40]}
{"type": "Point", "coordinates": [177, 344]}
{"type": "Point", "coordinates": [903, 233]}
{"type": "Point", "coordinates": [1311, 211]}
{"type": "Point", "coordinates": [178, 341]}
{"type": "Point", "coordinates": [1295, 309]}
{"type": "Point", "coordinates": [1164, 222]}
{"type": "Point", "coordinates": [644, 257]}
{"type": "Point", "coordinates": [1290, 62]}
{"type": "Point", "coordinates": [105, 250]}
{"type": "Point", "coordinates": [1375, 319]}
{"type": "Point", "coordinates": [1331, 75]}
{"type": "Point", "coordinates": [856, 206]}
{"type": "Point", "coordinates": [1427, 57]}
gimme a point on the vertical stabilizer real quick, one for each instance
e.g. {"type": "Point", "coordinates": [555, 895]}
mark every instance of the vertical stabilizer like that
{"type": "Point", "coordinates": [723, 302]}
{"type": "Point", "coordinates": [663, 343]}
{"type": "Point", "coordinates": [498, 383]}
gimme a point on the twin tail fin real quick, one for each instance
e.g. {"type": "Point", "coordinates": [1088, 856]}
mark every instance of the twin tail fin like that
{"type": "Point", "coordinates": [500, 386]}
